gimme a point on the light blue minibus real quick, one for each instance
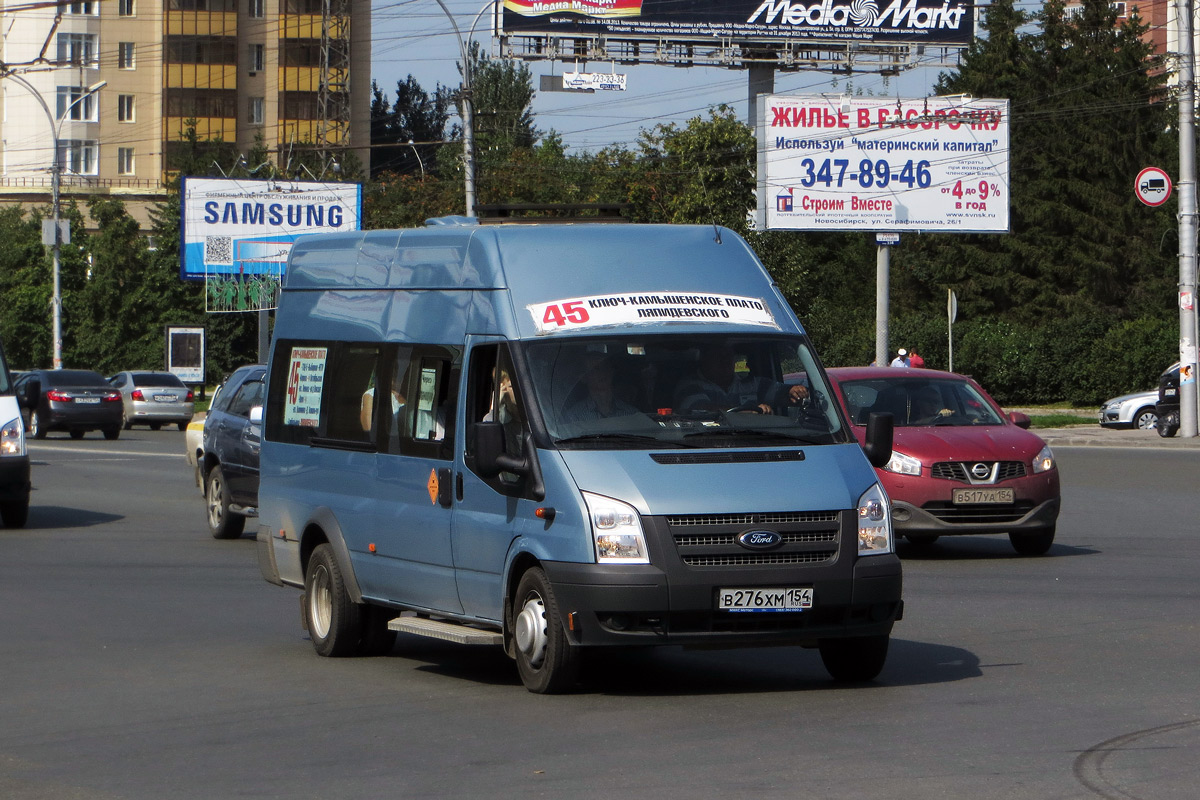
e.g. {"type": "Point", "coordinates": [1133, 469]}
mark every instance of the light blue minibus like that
{"type": "Point", "coordinates": [555, 437]}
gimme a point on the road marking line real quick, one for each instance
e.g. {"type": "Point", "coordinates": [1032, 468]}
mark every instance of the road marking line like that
{"type": "Point", "coordinates": [100, 453]}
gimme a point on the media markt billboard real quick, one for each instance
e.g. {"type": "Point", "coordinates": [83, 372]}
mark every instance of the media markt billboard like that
{"type": "Point", "coordinates": [930, 22]}
{"type": "Point", "coordinates": [937, 164]}
{"type": "Point", "coordinates": [235, 227]}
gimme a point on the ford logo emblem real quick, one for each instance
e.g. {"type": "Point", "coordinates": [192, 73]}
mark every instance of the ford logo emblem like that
{"type": "Point", "coordinates": [759, 540]}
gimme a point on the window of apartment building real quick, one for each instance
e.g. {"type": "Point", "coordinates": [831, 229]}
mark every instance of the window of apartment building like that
{"type": "Point", "coordinates": [301, 52]}
{"type": "Point", "coordinates": [257, 115]}
{"type": "Point", "coordinates": [78, 155]}
{"type": "Point", "coordinates": [298, 105]}
{"type": "Point", "coordinates": [75, 103]}
{"type": "Point", "coordinates": [77, 49]}
{"type": "Point", "coordinates": [257, 9]}
{"type": "Point", "coordinates": [258, 57]}
{"type": "Point", "coordinates": [202, 5]}
{"type": "Point", "coordinates": [124, 8]}
{"type": "Point", "coordinates": [303, 6]}
{"type": "Point", "coordinates": [124, 108]}
{"type": "Point", "coordinates": [88, 7]}
{"type": "Point", "coordinates": [200, 103]}
{"type": "Point", "coordinates": [125, 55]}
{"type": "Point", "coordinates": [124, 160]}
{"type": "Point", "coordinates": [201, 49]}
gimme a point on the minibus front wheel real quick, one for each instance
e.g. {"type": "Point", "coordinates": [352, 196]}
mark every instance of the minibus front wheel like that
{"type": "Point", "coordinates": [547, 662]}
{"type": "Point", "coordinates": [334, 620]}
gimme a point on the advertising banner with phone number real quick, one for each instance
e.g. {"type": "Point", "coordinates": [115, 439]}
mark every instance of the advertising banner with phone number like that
{"type": "Point", "coordinates": [648, 308]}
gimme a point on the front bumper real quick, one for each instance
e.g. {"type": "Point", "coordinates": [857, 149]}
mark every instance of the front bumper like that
{"type": "Point", "coordinates": [942, 519]}
{"type": "Point", "coordinates": [673, 602]}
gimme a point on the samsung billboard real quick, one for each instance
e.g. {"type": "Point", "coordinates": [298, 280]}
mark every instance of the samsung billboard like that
{"type": "Point", "coordinates": [928, 22]}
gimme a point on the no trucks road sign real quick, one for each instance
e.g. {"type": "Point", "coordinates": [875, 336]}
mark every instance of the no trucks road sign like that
{"type": "Point", "coordinates": [1153, 186]}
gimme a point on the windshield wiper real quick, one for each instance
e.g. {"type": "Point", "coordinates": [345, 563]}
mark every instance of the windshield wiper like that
{"type": "Point", "coordinates": [640, 438]}
{"type": "Point", "coordinates": [773, 434]}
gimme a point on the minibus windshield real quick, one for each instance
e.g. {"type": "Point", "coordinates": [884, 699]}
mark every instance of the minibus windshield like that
{"type": "Point", "coordinates": [627, 391]}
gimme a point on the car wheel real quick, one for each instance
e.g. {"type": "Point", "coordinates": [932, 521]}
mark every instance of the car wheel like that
{"type": "Point", "coordinates": [855, 659]}
{"type": "Point", "coordinates": [1168, 424]}
{"type": "Point", "coordinates": [112, 433]}
{"type": "Point", "coordinates": [181, 426]}
{"type": "Point", "coordinates": [15, 512]}
{"type": "Point", "coordinates": [547, 662]}
{"type": "Point", "coordinates": [1145, 419]}
{"type": "Point", "coordinates": [222, 523]}
{"type": "Point", "coordinates": [76, 434]}
{"type": "Point", "coordinates": [154, 426]}
{"type": "Point", "coordinates": [126, 423]}
{"type": "Point", "coordinates": [1034, 543]}
{"type": "Point", "coordinates": [36, 429]}
{"type": "Point", "coordinates": [334, 620]}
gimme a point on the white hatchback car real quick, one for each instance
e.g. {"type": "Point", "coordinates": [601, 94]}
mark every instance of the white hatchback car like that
{"type": "Point", "coordinates": [1131, 411]}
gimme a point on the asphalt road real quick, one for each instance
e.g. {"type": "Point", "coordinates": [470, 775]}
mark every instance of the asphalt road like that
{"type": "Point", "coordinates": [139, 658]}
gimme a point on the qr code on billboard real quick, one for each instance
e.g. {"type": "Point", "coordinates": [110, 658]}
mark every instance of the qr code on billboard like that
{"type": "Point", "coordinates": [218, 250]}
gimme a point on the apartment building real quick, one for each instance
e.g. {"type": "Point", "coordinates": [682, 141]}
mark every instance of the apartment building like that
{"type": "Point", "coordinates": [295, 72]}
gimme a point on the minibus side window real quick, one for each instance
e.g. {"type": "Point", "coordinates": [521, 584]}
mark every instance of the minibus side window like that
{"type": "Point", "coordinates": [426, 381]}
{"type": "Point", "coordinates": [350, 376]}
{"type": "Point", "coordinates": [496, 397]}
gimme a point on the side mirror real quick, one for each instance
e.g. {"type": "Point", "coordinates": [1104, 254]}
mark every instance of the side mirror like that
{"type": "Point", "coordinates": [256, 415]}
{"type": "Point", "coordinates": [1019, 419]}
{"type": "Point", "coordinates": [878, 447]}
{"type": "Point", "coordinates": [487, 443]}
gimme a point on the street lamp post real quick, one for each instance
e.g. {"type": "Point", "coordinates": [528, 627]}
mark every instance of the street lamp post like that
{"type": "Point", "coordinates": [55, 183]}
{"type": "Point", "coordinates": [468, 114]}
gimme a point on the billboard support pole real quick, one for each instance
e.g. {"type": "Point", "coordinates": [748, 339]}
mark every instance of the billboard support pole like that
{"type": "Point", "coordinates": [882, 288]}
{"type": "Point", "coordinates": [760, 84]}
{"type": "Point", "coordinates": [1187, 223]}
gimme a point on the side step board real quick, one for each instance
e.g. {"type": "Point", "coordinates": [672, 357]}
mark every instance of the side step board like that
{"type": "Point", "coordinates": [447, 631]}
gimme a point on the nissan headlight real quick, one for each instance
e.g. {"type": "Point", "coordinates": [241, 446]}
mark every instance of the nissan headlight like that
{"type": "Point", "coordinates": [12, 438]}
{"type": "Point", "coordinates": [874, 522]}
{"type": "Point", "coordinates": [616, 531]}
{"type": "Point", "coordinates": [902, 464]}
{"type": "Point", "coordinates": [1043, 461]}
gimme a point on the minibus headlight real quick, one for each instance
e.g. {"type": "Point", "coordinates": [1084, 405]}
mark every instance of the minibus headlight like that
{"type": "Point", "coordinates": [1044, 460]}
{"type": "Point", "coordinates": [902, 464]}
{"type": "Point", "coordinates": [12, 438]}
{"type": "Point", "coordinates": [874, 522]}
{"type": "Point", "coordinates": [616, 530]}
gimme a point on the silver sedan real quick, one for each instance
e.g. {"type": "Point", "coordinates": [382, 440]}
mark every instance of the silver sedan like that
{"type": "Point", "coordinates": [1131, 411]}
{"type": "Point", "coordinates": [154, 399]}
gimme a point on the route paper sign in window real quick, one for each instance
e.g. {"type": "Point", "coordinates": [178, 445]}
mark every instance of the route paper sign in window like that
{"type": "Point", "coordinates": [641, 308]}
{"type": "Point", "coordinates": [305, 381]}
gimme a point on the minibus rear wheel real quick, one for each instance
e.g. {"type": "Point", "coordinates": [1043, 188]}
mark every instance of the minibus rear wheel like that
{"type": "Point", "coordinates": [547, 662]}
{"type": "Point", "coordinates": [334, 620]}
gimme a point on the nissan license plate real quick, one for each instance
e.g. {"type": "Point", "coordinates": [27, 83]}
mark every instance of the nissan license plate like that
{"type": "Point", "coordinates": [87, 399]}
{"type": "Point", "coordinates": [966, 497]}
{"type": "Point", "coordinates": [743, 600]}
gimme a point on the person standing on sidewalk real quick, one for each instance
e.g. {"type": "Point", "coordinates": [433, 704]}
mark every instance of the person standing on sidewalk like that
{"type": "Point", "coordinates": [914, 359]}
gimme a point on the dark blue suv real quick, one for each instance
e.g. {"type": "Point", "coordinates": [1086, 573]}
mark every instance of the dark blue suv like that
{"type": "Point", "coordinates": [232, 439]}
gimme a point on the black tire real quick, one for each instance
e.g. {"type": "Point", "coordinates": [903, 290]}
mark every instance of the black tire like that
{"type": "Point", "coordinates": [222, 523]}
{"type": "Point", "coordinates": [155, 426]}
{"type": "Point", "coordinates": [546, 660]}
{"type": "Point", "coordinates": [1033, 543]}
{"type": "Point", "coordinates": [854, 660]}
{"type": "Point", "coordinates": [334, 621]}
{"type": "Point", "coordinates": [14, 513]}
{"type": "Point", "coordinates": [112, 433]}
{"type": "Point", "coordinates": [36, 429]}
{"type": "Point", "coordinates": [1145, 419]}
{"type": "Point", "coordinates": [76, 434]}
{"type": "Point", "coordinates": [377, 639]}
{"type": "Point", "coordinates": [126, 423]}
{"type": "Point", "coordinates": [181, 426]}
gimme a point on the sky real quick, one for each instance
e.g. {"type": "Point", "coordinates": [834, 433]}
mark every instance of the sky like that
{"type": "Point", "coordinates": [415, 37]}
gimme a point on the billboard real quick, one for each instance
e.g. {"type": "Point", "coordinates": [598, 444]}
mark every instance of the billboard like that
{"type": "Point", "coordinates": [926, 22]}
{"type": "Point", "coordinates": [245, 228]}
{"type": "Point", "coordinates": [934, 164]}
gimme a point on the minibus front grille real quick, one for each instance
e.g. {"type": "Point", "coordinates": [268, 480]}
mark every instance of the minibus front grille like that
{"type": "Point", "coordinates": [751, 559]}
{"type": "Point", "coordinates": [712, 540]}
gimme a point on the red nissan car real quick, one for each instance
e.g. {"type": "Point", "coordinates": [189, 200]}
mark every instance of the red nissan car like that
{"type": "Point", "coordinates": [959, 465]}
